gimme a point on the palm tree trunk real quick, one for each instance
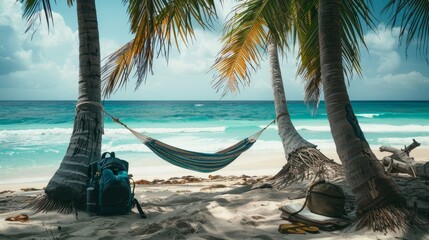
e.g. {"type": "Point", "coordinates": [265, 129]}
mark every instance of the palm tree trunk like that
{"type": "Point", "coordinates": [375, 191]}
{"type": "Point", "coordinates": [67, 188]}
{"type": "Point", "coordinates": [290, 137]}
{"type": "Point", "coordinates": [302, 155]}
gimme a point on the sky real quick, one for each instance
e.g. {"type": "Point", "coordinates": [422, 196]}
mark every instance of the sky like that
{"type": "Point", "coordinates": [43, 65]}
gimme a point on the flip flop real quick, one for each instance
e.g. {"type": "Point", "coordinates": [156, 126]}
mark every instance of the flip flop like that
{"type": "Point", "coordinates": [298, 228]}
{"type": "Point", "coordinates": [19, 218]}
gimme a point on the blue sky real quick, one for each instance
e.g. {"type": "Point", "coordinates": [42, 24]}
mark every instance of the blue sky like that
{"type": "Point", "coordinates": [44, 66]}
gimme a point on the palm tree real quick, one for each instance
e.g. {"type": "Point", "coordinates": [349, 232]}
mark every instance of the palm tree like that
{"type": "Point", "coordinates": [378, 198]}
{"type": "Point", "coordinates": [414, 23]}
{"type": "Point", "coordinates": [154, 23]}
{"type": "Point", "coordinates": [252, 28]}
{"type": "Point", "coordinates": [67, 188]}
{"type": "Point", "coordinates": [302, 156]}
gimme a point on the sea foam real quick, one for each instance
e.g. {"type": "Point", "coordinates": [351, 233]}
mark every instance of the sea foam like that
{"type": "Point", "coordinates": [401, 141]}
{"type": "Point", "coordinates": [368, 115]}
{"type": "Point", "coordinates": [374, 128]}
{"type": "Point", "coordinates": [49, 132]}
{"type": "Point", "coordinates": [166, 130]}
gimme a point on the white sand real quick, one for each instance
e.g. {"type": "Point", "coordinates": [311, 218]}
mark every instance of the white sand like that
{"type": "Point", "coordinates": [184, 211]}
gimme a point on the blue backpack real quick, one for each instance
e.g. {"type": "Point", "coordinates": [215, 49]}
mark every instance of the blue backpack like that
{"type": "Point", "coordinates": [109, 190]}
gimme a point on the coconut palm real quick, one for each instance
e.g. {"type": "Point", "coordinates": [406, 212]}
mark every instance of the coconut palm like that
{"type": "Point", "coordinates": [413, 16]}
{"type": "Point", "coordinates": [303, 159]}
{"type": "Point", "coordinates": [378, 198]}
{"type": "Point", "coordinates": [155, 24]}
{"type": "Point", "coordinates": [251, 29]}
{"type": "Point", "coordinates": [67, 188]}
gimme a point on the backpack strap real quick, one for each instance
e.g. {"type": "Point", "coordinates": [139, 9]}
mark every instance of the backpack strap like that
{"type": "Point", "coordinates": [112, 154]}
{"type": "Point", "coordinates": [139, 208]}
{"type": "Point", "coordinates": [307, 196]}
{"type": "Point", "coordinates": [135, 202]}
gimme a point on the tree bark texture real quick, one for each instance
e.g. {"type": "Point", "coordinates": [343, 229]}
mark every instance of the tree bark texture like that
{"type": "Point", "coordinates": [304, 161]}
{"type": "Point", "coordinates": [372, 187]}
{"type": "Point", "coordinates": [69, 182]}
{"type": "Point", "coordinates": [291, 139]}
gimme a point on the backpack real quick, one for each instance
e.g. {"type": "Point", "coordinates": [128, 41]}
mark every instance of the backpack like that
{"type": "Point", "coordinates": [326, 199]}
{"type": "Point", "coordinates": [109, 190]}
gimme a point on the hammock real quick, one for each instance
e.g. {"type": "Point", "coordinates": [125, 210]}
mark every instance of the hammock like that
{"type": "Point", "coordinates": [200, 162]}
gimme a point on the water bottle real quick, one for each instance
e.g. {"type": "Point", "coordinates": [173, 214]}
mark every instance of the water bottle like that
{"type": "Point", "coordinates": [91, 199]}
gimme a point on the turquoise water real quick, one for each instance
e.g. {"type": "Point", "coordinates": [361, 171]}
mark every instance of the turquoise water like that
{"type": "Point", "coordinates": [36, 133]}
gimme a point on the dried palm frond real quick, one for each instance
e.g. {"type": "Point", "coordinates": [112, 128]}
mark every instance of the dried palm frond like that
{"type": "Point", "coordinates": [387, 218]}
{"type": "Point", "coordinates": [45, 204]}
{"type": "Point", "coordinates": [307, 164]}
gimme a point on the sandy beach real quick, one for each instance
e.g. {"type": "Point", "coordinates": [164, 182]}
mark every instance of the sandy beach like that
{"type": "Point", "coordinates": [228, 204]}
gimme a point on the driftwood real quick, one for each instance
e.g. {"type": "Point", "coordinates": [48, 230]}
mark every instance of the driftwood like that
{"type": "Point", "coordinates": [400, 161]}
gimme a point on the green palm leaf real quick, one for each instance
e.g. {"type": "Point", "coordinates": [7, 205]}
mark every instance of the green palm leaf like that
{"type": "Point", "coordinates": [157, 25]}
{"type": "Point", "coordinates": [413, 16]}
{"type": "Point", "coordinates": [34, 8]}
{"type": "Point", "coordinates": [245, 38]}
{"type": "Point", "coordinates": [246, 34]}
{"type": "Point", "coordinates": [353, 13]}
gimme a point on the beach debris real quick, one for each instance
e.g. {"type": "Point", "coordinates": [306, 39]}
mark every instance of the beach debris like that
{"type": "Point", "coordinates": [30, 189]}
{"type": "Point", "coordinates": [249, 181]}
{"type": "Point", "coordinates": [241, 180]}
{"type": "Point", "coordinates": [214, 177]}
{"type": "Point", "coordinates": [192, 179]}
{"type": "Point", "coordinates": [401, 162]}
{"type": "Point", "coordinates": [7, 191]}
{"type": "Point", "coordinates": [142, 181]}
{"type": "Point", "coordinates": [19, 218]}
{"type": "Point", "coordinates": [157, 181]}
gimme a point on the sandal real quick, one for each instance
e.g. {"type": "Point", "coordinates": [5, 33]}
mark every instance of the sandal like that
{"type": "Point", "coordinates": [299, 228]}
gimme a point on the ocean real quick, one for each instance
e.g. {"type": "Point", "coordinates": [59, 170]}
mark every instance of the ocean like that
{"type": "Point", "coordinates": [35, 134]}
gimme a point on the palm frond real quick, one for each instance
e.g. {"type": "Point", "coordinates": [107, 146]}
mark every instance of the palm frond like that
{"type": "Point", "coordinates": [156, 25]}
{"type": "Point", "coordinates": [306, 34]}
{"type": "Point", "coordinates": [117, 69]}
{"type": "Point", "coordinates": [33, 10]}
{"type": "Point", "coordinates": [353, 13]}
{"type": "Point", "coordinates": [413, 18]}
{"type": "Point", "coordinates": [45, 204]}
{"type": "Point", "coordinates": [176, 20]}
{"type": "Point", "coordinates": [245, 36]}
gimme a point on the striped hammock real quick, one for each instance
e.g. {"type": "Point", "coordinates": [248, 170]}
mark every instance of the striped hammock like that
{"type": "Point", "coordinates": [196, 161]}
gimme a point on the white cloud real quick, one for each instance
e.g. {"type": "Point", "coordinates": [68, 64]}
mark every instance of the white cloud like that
{"type": "Point", "coordinates": [383, 45]}
{"type": "Point", "coordinates": [384, 39]}
{"type": "Point", "coordinates": [198, 56]}
{"type": "Point", "coordinates": [108, 46]}
{"type": "Point", "coordinates": [57, 35]}
{"type": "Point", "coordinates": [410, 80]}
{"type": "Point", "coordinates": [411, 85]}
{"type": "Point", "coordinates": [9, 12]}
{"type": "Point", "coordinates": [45, 61]}
{"type": "Point", "coordinates": [41, 50]}
{"type": "Point", "coordinates": [388, 61]}
{"type": "Point", "coordinates": [225, 9]}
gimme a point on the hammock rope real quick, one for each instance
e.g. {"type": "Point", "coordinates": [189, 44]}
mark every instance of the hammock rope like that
{"type": "Point", "coordinates": [196, 161]}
